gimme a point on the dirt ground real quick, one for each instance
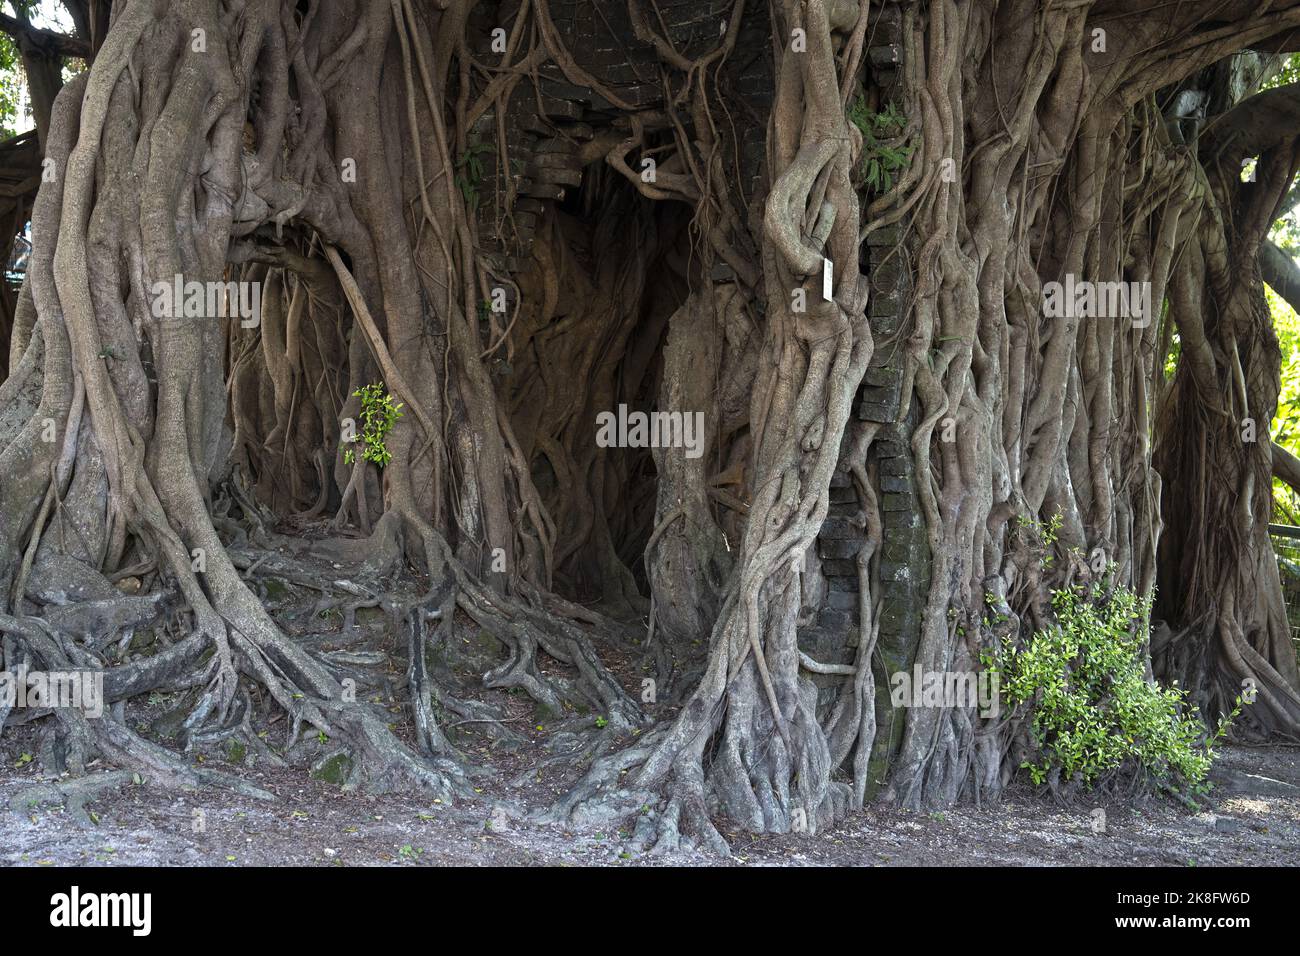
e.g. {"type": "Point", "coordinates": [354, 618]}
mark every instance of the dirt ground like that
{"type": "Point", "coordinates": [1252, 818]}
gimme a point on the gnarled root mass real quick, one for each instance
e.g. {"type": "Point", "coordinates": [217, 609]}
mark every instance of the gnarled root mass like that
{"type": "Point", "coordinates": [212, 170]}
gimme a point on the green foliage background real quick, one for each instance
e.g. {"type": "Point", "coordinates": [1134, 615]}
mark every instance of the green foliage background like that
{"type": "Point", "coordinates": [47, 14]}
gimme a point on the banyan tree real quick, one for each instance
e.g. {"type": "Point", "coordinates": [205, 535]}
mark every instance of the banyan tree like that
{"type": "Point", "coordinates": [710, 360]}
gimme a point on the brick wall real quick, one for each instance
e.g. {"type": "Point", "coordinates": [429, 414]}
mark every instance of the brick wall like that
{"type": "Point", "coordinates": [547, 124]}
{"type": "Point", "coordinates": [904, 560]}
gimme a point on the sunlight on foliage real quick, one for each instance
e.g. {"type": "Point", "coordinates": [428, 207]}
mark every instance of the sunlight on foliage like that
{"type": "Point", "coordinates": [1285, 428]}
{"type": "Point", "coordinates": [15, 109]}
{"type": "Point", "coordinates": [11, 88]}
{"type": "Point", "coordinates": [1289, 73]}
{"type": "Point", "coordinates": [1093, 710]}
{"type": "Point", "coordinates": [378, 416]}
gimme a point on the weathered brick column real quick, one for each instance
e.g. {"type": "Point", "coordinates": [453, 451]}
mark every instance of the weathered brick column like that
{"type": "Point", "coordinates": [903, 576]}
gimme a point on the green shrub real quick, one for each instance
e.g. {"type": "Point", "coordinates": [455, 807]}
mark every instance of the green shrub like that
{"type": "Point", "coordinates": [1092, 710]}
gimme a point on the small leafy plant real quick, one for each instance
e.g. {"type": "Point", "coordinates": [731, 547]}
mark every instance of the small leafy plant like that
{"type": "Point", "coordinates": [1092, 709]}
{"type": "Point", "coordinates": [882, 159]}
{"type": "Point", "coordinates": [1043, 535]}
{"type": "Point", "coordinates": [469, 174]}
{"type": "Point", "coordinates": [378, 416]}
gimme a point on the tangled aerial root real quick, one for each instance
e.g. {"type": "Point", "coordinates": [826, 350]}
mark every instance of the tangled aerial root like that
{"type": "Point", "coordinates": [308, 684]}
